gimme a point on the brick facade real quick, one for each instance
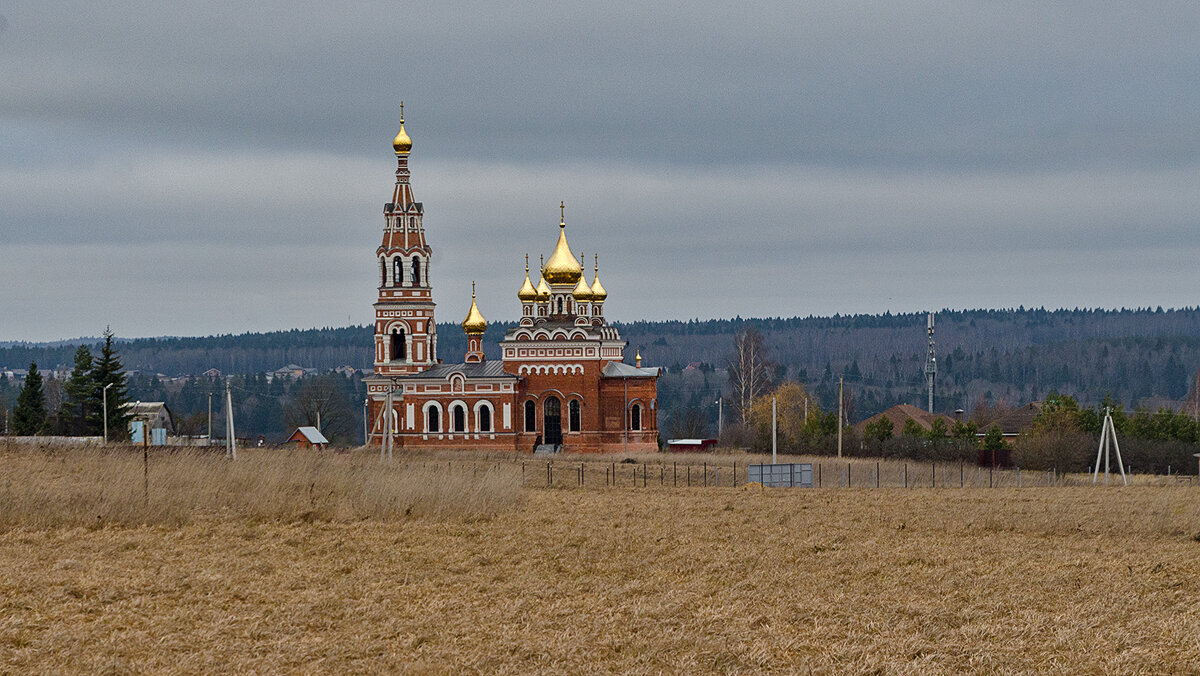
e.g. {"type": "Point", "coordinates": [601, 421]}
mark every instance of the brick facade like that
{"type": "Point", "coordinates": [561, 381]}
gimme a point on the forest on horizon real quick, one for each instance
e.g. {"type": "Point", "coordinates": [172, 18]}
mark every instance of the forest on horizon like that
{"type": "Point", "coordinates": [1139, 357]}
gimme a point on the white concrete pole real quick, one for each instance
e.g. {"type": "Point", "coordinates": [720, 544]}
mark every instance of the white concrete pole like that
{"type": "Point", "coordinates": [106, 413]}
{"type": "Point", "coordinates": [839, 416]}
{"type": "Point", "coordinates": [231, 436]}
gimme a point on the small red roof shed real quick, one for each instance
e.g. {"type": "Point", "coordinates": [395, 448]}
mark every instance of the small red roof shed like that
{"type": "Point", "coordinates": [308, 437]}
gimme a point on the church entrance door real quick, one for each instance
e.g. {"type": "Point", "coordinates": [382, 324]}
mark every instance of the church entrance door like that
{"type": "Point", "coordinates": [552, 421]}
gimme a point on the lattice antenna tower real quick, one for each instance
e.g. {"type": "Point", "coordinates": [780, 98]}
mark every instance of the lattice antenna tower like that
{"type": "Point", "coordinates": [930, 363]}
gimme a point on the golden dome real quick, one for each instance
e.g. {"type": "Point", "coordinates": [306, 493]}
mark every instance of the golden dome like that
{"type": "Point", "coordinates": [582, 291]}
{"type": "Point", "coordinates": [543, 291]}
{"type": "Point", "coordinates": [527, 294]}
{"type": "Point", "coordinates": [562, 268]}
{"type": "Point", "coordinates": [402, 144]}
{"type": "Point", "coordinates": [598, 292]}
{"type": "Point", "coordinates": [474, 324]}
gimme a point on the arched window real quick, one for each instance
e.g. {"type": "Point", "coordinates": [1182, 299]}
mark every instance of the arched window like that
{"type": "Point", "coordinates": [460, 418]}
{"type": "Point", "coordinates": [635, 417]}
{"type": "Point", "coordinates": [431, 416]}
{"type": "Point", "coordinates": [397, 271]}
{"type": "Point", "coordinates": [552, 420]}
{"type": "Point", "coordinates": [416, 271]}
{"type": "Point", "coordinates": [560, 306]}
{"type": "Point", "coordinates": [382, 272]}
{"type": "Point", "coordinates": [573, 415]}
{"type": "Point", "coordinates": [398, 347]}
{"type": "Point", "coordinates": [530, 416]}
{"type": "Point", "coordinates": [485, 418]}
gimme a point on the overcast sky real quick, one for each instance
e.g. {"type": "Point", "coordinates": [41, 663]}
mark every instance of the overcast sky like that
{"type": "Point", "coordinates": [201, 168]}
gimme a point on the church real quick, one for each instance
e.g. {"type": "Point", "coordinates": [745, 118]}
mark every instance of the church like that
{"type": "Point", "coordinates": [561, 385]}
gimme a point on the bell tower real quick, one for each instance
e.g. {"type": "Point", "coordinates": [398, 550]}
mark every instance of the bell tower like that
{"type": "Point", "coordinates": [405, 334]}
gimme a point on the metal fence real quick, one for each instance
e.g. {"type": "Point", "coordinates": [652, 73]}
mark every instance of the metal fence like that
{"type": "Point", "coordinates": [781, 475]}
{"type": "Point", "coordinates": [829, 474]}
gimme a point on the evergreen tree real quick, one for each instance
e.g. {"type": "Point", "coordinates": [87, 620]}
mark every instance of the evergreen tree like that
{"type": "Point", "coordinates": [881, 430]}
{"type": "Point", "coordinates": [76, 415]}
{"type": "Point", "coordinates": [994, 439]}
{"type": "Point", "coordinates": [29, 415]}
{"type": "Point", "coordinates": [107, 370]}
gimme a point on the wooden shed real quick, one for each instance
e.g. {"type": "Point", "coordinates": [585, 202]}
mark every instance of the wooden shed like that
{"type": "Point", "coordinates": [308, 437]}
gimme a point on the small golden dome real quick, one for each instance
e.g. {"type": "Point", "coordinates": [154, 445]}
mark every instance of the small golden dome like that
{"type": "Point", "coordinates": [527, 294]}
{"type": "Point", "coordinates": [562, 268]}
{"type": "Point", "coordinates": [582, 291]}
{"type": "Point", "coordinates": [402, 144]}
{"type": "Point", "coordinates": [598, 292]}
{"type": "Point", "coordinates": [543, 291]}
{"type": "Point", "coordinates": [474, 324]}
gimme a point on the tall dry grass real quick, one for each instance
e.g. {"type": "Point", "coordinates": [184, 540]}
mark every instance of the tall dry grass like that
{"type": "Point", "coordinates": [44, 487]}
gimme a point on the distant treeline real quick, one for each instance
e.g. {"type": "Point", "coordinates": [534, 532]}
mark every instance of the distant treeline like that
{"type": "Point", "coordinates": [1139, 356]}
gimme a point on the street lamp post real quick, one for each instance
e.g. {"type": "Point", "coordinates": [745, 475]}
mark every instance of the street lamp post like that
{"type": "Point", "coordinates": [106, 413]}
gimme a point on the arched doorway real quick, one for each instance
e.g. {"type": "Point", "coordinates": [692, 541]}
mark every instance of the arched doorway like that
{"type": "Point", "coordinates": [552, 421]}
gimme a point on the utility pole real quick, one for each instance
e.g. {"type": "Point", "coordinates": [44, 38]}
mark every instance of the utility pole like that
{"type": "Point", "coordinates": [1108, 434]}
{"type": "Point", "coordinates": [366, 422]}
{"type": "Point", "coordinates": [625, 385]}
{"type": "Point", "coordinates": [774, 459]}
{"type": "Point", "coordinates": [840, 416]}
{"type": "Point", "coordinates": [720, 416]}
{"type": "Point", "coordinates": [385, 443]}
{"type": "Point", "coordinates": [209, 441]}
{"type": "Point", "coordinates": [230, 437]}
{"type": "Point", "coordinates": [318, 421]}
{"type": "Point", "coordinates": [930, 362]}
{"type": "Point", "coordinates": [106, 412]}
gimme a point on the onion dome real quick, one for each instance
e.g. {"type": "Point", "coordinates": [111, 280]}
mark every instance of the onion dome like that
{"type": "Point", "coordinates": [474, 324]}
{"type": "Point", "coordinates": [543, 291]}
{"type": "Point", "coordinates": [598, 292]}
{"type": "Point", "coordinates": [402, 144]}
{"type": "Point", "coordinates": [562, 268]}
{"type": "Point", "coordinates": [582, 292]}
{"type": "Point", "coordinates": [527, 294]}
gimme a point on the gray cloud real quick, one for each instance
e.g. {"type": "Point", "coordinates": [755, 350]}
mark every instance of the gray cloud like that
{"type": "Point", "coordinates": [228, 164]}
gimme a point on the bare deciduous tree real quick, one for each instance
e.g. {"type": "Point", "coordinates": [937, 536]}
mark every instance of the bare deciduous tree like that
{"type": "Point", "coordinates": [320, 398]}
{"type": "Point", "coordinates": [749, 370]}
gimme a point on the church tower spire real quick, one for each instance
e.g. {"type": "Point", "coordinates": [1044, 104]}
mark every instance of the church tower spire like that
{"type": "Point", "coordinates": [405, 334]}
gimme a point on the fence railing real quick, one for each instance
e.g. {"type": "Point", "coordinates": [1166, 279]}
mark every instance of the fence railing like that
{"type": "Point", "coordinates": [826, 474]}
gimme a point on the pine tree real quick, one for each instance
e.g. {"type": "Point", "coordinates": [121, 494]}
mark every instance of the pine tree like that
{"type": "Point", "coordinates": [108, 372]}
{"type": "Point", "coordinates": [77, 411]}
{"type": "Point", "coordinates": [29, 415]}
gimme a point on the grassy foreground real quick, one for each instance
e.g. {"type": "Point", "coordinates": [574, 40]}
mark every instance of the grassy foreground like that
{"type": "Point", "coordinates": [731, 580]}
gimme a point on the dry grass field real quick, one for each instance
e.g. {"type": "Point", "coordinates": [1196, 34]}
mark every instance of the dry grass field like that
{"type": "Point", "coordinates": [593, 579]}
